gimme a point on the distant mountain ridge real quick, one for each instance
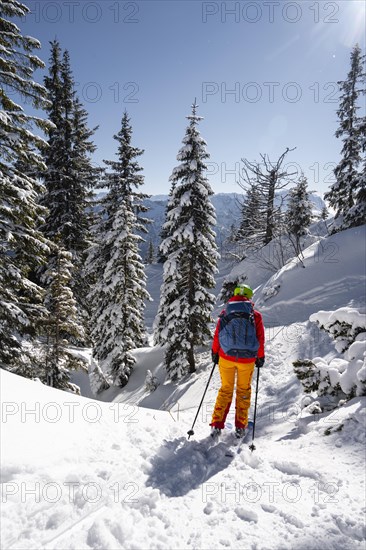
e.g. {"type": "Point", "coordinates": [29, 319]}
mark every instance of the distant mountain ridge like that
{"type": "Point", "coordinates": [227, 206]}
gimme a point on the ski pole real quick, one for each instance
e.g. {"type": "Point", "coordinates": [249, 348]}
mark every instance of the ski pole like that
{"type": "Point", "coordinates": [252, 446]}
{"type": "Point", "coordinates": [191, 432]}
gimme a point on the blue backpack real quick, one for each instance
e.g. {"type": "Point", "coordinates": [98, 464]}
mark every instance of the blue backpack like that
{"type": "Point", "coordinates": [237, 333]}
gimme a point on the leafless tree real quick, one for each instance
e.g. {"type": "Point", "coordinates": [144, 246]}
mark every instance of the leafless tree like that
{"type": "Point", "coordinates": [266, 177]}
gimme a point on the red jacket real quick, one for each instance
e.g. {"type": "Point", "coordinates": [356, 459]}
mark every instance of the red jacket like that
{"type": "Point", "coordinates": [259, 327]}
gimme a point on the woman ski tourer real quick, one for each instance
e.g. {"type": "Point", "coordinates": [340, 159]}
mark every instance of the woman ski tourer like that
{"type": "Point", "coordinates": [237, 347]}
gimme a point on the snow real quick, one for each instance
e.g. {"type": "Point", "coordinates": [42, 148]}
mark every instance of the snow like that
{"type": "Point", "coordinates": [343, 314]}
{"type": "Point", "coordinates": [4, 117]}
{"type": "Point", "coordinates": [84, 474]}
{"type": "Point", "coordinates": [333, 277]}
{"type": "Point", "coordinates": [119, 472]}
{"type": "Point", "coordinates": [348, 328]}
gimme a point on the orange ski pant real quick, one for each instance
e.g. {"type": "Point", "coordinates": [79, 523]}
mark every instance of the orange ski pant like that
{"type": "Point", "coordinates": [228, 370]}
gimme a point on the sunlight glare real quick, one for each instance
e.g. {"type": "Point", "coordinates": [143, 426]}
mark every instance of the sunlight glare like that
{"type": "Point", "coordinates": [355, 23]}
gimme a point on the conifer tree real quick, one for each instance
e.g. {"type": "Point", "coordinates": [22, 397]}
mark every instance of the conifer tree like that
{"type": "Point", "coordinates": [186, 304]}
{"type": "Point", "coordinates": [119, 292]}
{"type": "Point", "coordinates": [252, 227]}
{"type": "Point", "coordinates": [299, 213]}
{"type": "Point", "coordinates": [84, 177]}
{"type": "Point", "coordinates": [22, 248]}
{"type": "Point", "coordinates": [324, 214]}
{"type": "Point", "coordinates": [54, 154]}
{"type": "Point", "coordinates": [233, 233]}
{"type": "Point", "coordinates": [357, 214]}
{"type": "Point", "coordinates": [70, 176]}
{"type": "Point", "coordinates": [17, 65]}
{"type": "Point", "coordinates": [61, 321]}
{"type": "Point", "coordinates": [150, 254]}
{"type": "Point", "coordinates": [344, 191]}
{"type": "Point", "coordinates": [126, 172]}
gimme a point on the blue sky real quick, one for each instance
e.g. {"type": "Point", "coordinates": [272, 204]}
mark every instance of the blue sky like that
{"type": "Point", "coordinates": [280, 60]}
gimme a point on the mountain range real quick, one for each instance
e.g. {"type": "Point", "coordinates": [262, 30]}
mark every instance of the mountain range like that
{"type": "Point", "coordinates": [227, 206]}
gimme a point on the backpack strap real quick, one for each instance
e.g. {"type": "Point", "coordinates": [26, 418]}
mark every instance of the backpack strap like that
{"type": "Point", "coordinates": [238, 314]}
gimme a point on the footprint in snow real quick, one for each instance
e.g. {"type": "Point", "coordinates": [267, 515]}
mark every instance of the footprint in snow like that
{"type": "Point", "coordinates": [289, 518]}
{"type": "Point", "coordinates": [246, 515]}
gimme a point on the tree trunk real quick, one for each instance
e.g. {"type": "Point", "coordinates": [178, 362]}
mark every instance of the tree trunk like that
{"type": "Point", "coordinates": [270, 206]}
{"type": "Point", "coordinates": [190, 355]}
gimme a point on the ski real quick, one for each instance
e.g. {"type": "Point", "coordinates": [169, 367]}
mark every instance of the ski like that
{"type": "Point", "coordinates": [238, 443]}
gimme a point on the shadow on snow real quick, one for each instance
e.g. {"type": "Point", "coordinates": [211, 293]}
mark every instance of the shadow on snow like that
{"type": "Point", "coordinates": [181, 465]}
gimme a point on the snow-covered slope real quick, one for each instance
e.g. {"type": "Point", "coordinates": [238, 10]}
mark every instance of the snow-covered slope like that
{"type": "Point", "coordinates": [331, 275]}
{"type": "Point", "coordinates": [84, 474]}
{"type": "Point", "coordinates": [80, 474]}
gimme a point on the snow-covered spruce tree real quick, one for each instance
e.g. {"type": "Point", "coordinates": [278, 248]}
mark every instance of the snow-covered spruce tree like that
{"type": "Point", "coordinates": [299, 213]}
{"type": "Point", "coordinates": [186, 304]}
{"type": "Point", "coordinates": [61, 322]}
{"type": "Point", "coordinates": [342, 193]}
{"type": "Point", "coordinates": [267, 178]}
{"type": "Point", "coordinates": [340, 377]}
{"type": "Point", "coordinates": [126, 173]}
{"type": "Point", "coordinates": [252, 229]}
{"type": "Point", "coordinates": [70, 175]}
{"type": "Point", "coordinates": [324, 214]}
{"type": "Point", "coordinates": [233, 233]}
{"type": "Point", "coordinates": [22, 247]}
{"type": "Point", "coordinates": [119, 294]}
{"type": "Point", "coordinates": [54, 153]}
{"type": "Point", "coordinates": [150, 253]}
{"type": "Point", "coordinates": [357, 214]}
{"type": "Point", "coordinates": [84, 177]}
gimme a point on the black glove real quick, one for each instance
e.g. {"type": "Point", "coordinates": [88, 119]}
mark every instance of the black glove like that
{"type": "Point", "coordinates": [259, 362]}
{"type": "Point", "coordinates": [215, 358]}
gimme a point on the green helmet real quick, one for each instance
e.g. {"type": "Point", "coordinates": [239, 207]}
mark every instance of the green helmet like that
{"type": "Point", "coordinates": [243, 290]}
